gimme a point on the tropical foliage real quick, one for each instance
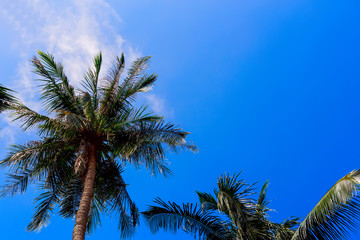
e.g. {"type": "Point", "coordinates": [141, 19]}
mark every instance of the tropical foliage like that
{"type": "Point", "coordinates": [337, 214]}
{"type": "Point", "coordinates": [5, 98]}
{"type": "Point", "coordinates": [86, 136]}
{"type": "Point", "coordinates": [233, 213]}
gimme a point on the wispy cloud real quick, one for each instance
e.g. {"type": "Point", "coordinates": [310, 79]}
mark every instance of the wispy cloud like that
{"type": "Point", "coordinates": [158, 105]}
{"type": "Point", "coordinates": [73, 30]}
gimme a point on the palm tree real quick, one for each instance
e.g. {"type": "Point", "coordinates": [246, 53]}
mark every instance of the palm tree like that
{"type": "Point", "coordinates": [232, 213]}
{"type": "Point", "coordinates": [242, 217]}
{"type": "Point", "coordinates": [87, 135]}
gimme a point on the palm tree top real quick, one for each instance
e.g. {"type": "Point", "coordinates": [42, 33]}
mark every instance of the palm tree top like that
{"type": "Point", "coordinates": [86, 135]}
{"type": "Point", "coordinates": [233, 213]}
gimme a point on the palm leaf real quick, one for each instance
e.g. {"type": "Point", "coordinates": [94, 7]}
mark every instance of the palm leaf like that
{"type": "Point", "coordinates": [336, 214]}
{"type": "Point", "coordinates": [42, 214]}
{"type": "Point", "coordinates": [171, 217]}
{"type": "Point", "coordinates": [111, 86]}
{"type": "Point", "coordinates": [208, 202]}
{"type": "Point", "coordinates": [57, 93]}
{"type": "Point", "coordinates": [261, 205]}
{"type": "Point", "coordinates": [286, 229]}
{"type": "Point", "coordinates": [91, 80]}
{"type": "Point", "coordinates": [6, 98]}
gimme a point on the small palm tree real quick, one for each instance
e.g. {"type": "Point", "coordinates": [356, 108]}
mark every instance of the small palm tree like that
{"type": "Point", "coordinates": [242, 217]}
{"type": "Point", "coordinates": [232, 213]}
{"type": "Point", "coordinates": [86, 137]}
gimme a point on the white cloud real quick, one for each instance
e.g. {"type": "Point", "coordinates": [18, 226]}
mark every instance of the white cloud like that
{"type": "Point", "coordinates": [7, 135]}
{"type": "Point", "coordinates": [73, 30]}
{"type": "Point", "coordinates": [158, 105]}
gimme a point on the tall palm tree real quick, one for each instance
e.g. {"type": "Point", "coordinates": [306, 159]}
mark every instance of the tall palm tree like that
{"type": "Point", "coordinates": [86, 136]}
{"type": "Point", "coordinates": [242, 217]}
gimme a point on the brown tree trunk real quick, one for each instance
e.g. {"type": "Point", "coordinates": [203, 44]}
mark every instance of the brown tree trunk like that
{"type": "Point", "coordinates": [86, 198]}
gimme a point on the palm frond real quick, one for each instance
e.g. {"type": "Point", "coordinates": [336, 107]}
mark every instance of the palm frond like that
{"type": "Point", "coordinates": [111, 85]}
{"type": "Point", "coordinates": [94, 215]}
{"type": "Point", "coordinates": [128, 221]}
{"type": "Point", "coordinates": [136, 70]}
{"type": "Point", "coordinates": [234, 192]}
{"type": "Point", "coordinates": [261, 205]}
{"type": "Point", "coordinates": [118, 98]}
{"type": "Point", "coordinates": [71, 194]}
{"type": "Point", "coordinates": [133, 117]}
{"type": "Point", "coordinates": [57, 93]}
{"type": "Point", "coordinates": [336, 214]}
{"type": "Point", "coordinates": [6, 98]}
{"type": "Point", "coordinates": [89, 111]}
{"type": "Point", "coordinates": [152, 156]}
{"type": "Point", "coordinates": [45, 124]}
{"type": "Point", "coordinates": [42, 214]}
{"type": "Point", "coordinates": [38, 154]}
{"type": "Point", "coordinates": [16, 183]}
{"type": "Point", "coordinates": [286, 229]}
{"type": "Point", "coordinates": [171, 217]}
{"type": "Point", "coordinates": [208, 202]}
{"type": "Point", "coordinates": [132, 86]}
{"type": "Point", "coordinates": [91, 80]}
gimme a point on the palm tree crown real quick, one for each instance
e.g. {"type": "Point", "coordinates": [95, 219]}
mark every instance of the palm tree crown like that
{"type": "Point", "coordinates": [231, 213]}
{"type": "Point", "coordinates": [86, 136]}
{"type": "Point", "coordinates": [243, 217]}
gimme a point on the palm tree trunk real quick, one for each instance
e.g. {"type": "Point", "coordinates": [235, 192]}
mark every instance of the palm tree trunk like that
{"type": "Point", "coordinates": [86, 198]}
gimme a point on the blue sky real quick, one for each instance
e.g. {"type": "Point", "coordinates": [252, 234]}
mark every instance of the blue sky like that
{"type": "Point", "coordinates": [267, 87]}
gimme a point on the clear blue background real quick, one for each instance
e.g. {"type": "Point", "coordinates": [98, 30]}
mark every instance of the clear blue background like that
{"type": "Point", "coordinates": [267, 87]}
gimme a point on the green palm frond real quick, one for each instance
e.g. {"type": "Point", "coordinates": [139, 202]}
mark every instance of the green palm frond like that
{"type": "Point", "coordinates": [233, 195]}
{"type": "Point", "coordinates": [136, 70]}
{"type": "Point", "coordinates": [56, 93]}
{"type": "Point", "coordinates": [262, 203]}
{"type": "Point", "coordinates": [208, 202]}
{"type": "Point", "coordinates": [336, 214]}
{"type": "Point", "coordinates": [45, 124]}
{"type": "Point", "coordinates": [127, 221]}
{"type": "Point", "coordinates": [286, 229]}
{"type": "Point", "coordinates": [234, 199]}
{"type": "Point", "coordinates": [38, 155]}
{"type": "Point", "coordinates": [152, 156]}
{"type": "Point", "coordinates": [171, 217]}
{"type": "Point", "coordinates": [135, 85]}
{"type": "Point", "coordinates": [91, 80]}
{"type": "Point", "coordinates": [118, 97]}
{"type": "Point", "coordinates": [6, 98]}
{"type": "Point", "coordinates": [17, 183]}
{"type": "Point", "coordinates": [94, 215]}
{"type": "Point", "coordinates": [109, 91]}
{"type": "Point", "coordinates": [45, 207]}
{"type": "Point", "coordinates": [71, 198]}
{"type": "Point", "coordinates": [132, 118]}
